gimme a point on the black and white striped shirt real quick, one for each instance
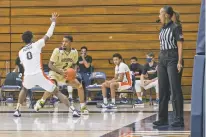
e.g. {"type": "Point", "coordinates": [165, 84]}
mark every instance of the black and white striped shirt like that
{"type": "Point", "coordinates": [169, 35]}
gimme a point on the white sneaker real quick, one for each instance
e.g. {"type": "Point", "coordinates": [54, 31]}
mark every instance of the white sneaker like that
{"type": "Point", "coordinates": [17, 114]}
{"type": "Point", "coordinates": [76, 113]}
{"type": "Point", "coordinates": [39, 104]}
{"type": "Point", "coordinates": [104, 105]}
{"type": "Point", "coordinates": [112, 106]}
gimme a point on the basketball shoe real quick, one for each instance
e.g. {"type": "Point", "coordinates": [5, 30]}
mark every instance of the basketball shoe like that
{"type": "Point", "coordinates": [39, 104]}
{"type": "Point", "coordinates": [17, 113]}
{"type": "Point", "coordinates": [84, 110]}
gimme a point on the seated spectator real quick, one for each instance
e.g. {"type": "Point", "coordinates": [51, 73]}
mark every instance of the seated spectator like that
{"type": "Point", "coordinates": [136, 70]}
{"type": "Point", "coordinates": [121, 81]}
{"type": "Point", "coordinates": [148, 78]}
{"type": "Point", "coordinates": [135, 67]}
{"type": "Point", "coordinates": [85, 68]}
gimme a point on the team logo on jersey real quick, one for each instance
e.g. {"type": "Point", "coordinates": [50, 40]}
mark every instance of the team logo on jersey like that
{"type": "Point", "coordinates": [67, 60]}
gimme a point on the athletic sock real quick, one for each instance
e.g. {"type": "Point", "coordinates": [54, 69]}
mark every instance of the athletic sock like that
{"type": "Point", "coordinates": [140, 98]}
{"type": "Point", "coordinates": [113, 100]}
{"type": "Point", "coordinates": [105, 101]}
{"type": "Point", "coordinates": [70, 89]}
{"type": "Point", "coordinates": [70, 95]}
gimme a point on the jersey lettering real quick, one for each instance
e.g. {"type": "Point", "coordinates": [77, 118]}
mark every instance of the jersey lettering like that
{"type": "Point", "coordinates": [66, 60]}
{"type": "Point", "coordinates": [27, 48]}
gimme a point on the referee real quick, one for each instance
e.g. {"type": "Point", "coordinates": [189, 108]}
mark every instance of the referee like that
{"type": "Point", "coordinates": [170, 64]}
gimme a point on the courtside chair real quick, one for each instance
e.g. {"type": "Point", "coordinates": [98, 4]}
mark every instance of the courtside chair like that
{"type": "Point", "coordinates": [97, 78]}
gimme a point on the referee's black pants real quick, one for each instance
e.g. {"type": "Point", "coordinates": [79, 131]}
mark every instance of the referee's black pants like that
{"type": "Point", "coordinates": [168, 77]}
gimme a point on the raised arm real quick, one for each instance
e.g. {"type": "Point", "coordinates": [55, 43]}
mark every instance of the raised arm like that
{"type": "Point", "coordinates": [51, 29]}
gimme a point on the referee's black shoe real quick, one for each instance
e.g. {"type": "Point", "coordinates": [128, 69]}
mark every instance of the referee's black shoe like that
{"type": "Point", "coordinates": [178, 123]}
{"type": "Point", "coordinates": [160, 123]}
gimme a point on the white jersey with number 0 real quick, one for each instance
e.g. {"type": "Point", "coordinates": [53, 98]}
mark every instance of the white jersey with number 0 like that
{"type": "Point", "coordinates": [30, 56]}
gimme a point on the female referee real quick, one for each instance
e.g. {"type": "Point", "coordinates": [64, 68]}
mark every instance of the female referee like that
{"type": "Point", "coordinates": [170, 64]}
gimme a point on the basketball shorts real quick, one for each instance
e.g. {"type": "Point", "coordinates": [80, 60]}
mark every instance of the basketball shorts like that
{"type": "Point", "coordinates": [124, 86]}
{"type": "Point", "coordinates": [39, 79]}
{"type": "Point", "coordinates": [57, 77]}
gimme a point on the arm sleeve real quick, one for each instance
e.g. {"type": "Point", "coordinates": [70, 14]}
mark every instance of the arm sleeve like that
{"type": "Point", "coordinates": [178, 35]}
{"type": "Point", "coordinates": [40, 43]}
{"type": "Point", "coordinates": [54, 56]}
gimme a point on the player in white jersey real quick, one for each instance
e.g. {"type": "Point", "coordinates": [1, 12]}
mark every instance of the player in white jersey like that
{"type": "Point", "coordinates": [121, 81]}
{"type": "Point", "coordinates": [30, 57]}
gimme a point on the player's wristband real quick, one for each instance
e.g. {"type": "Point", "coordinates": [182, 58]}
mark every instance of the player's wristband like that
{"type": "Point", "coordinates": [51, 29]}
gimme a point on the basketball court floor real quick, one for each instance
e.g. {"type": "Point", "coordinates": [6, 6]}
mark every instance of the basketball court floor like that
{"type": "Point", "coordinates": [57, 122]}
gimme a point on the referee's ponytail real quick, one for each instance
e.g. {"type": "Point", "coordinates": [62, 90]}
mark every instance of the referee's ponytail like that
{"type": "Point", "coordinates": [177, 18]}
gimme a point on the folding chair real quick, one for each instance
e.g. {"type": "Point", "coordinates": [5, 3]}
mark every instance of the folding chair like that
{"type": "Point", "coordinates": [151, 103]}
{"type": "Point", "coordinates": [97, 78]}
{"type": "Point", "coordinates": [9, 87]}
{"type": "Point", "coordinates": [131, 91]}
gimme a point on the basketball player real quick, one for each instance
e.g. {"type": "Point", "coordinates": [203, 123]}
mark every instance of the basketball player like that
{"type": "Point", "coordinates": [121, 81]}
{"type": "Point", "coordinates": [30, 57]}
{"type": "Point", "coordinates": [61, 59]}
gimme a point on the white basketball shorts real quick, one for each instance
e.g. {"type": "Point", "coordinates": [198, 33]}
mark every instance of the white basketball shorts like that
{"type": "Point", "coordinates": [39, 79]}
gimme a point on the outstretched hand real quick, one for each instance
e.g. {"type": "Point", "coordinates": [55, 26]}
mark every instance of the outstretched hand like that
{"type": "Point", "coordinates": [55, 15]}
